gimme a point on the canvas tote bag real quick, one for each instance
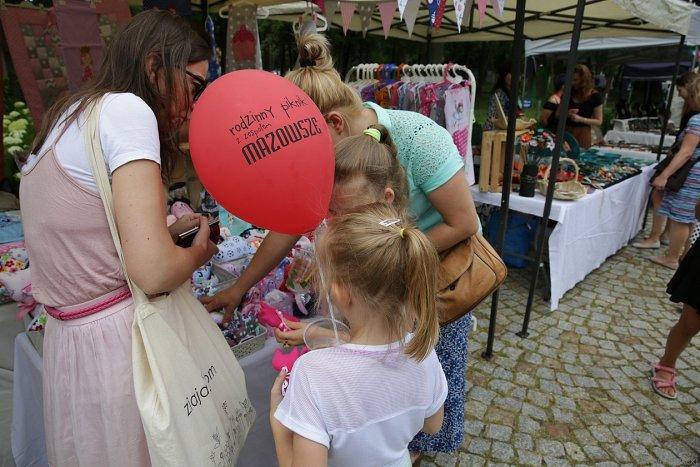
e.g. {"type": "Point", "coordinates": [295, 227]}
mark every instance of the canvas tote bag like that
{"type": "Point", "coordinates": [190, 389]}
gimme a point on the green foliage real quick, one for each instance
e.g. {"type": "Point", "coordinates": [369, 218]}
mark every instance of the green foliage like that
{"type": "Point", "coordinates": [18, 134]}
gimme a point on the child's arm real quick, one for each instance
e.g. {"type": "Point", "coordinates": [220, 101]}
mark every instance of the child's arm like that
{"type": "Point", "coordinates": [433, 424]}
{"type": "Point", "coordinates": [308, 453]}
{"type": "Point", "coordinates": [293, 449]}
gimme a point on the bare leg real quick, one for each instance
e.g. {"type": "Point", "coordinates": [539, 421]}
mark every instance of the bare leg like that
{"type": "Point", "coordinates": [658, 223]}
{"type": "Point", "coordinates": [678, 238]}
{"type": "Point", "coordinates": [678, 339]}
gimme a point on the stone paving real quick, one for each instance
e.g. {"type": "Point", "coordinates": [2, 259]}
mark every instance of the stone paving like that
{"type": "Point", "coordinates": [577, 392]}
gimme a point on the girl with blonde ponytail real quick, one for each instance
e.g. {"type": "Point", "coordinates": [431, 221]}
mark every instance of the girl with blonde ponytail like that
{"type": "Point", "coordinates": [361, 403]}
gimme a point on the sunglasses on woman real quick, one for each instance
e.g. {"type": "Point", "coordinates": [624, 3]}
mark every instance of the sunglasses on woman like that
{"type": "Point", "coordinates": [200, 85]}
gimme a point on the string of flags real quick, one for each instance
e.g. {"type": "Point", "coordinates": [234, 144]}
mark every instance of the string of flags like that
{"type": "Point", "coordinates": [408, 12]}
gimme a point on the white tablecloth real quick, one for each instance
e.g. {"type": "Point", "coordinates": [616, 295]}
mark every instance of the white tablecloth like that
{"type": "Point", "coordinates": [588, 230]}
{"type": "Point", "coordinates": [28, 442]}
{"type": "Point", "coordinates": [638, 137]}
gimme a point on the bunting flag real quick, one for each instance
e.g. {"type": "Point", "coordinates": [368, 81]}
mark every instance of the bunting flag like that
{"type": "Point", "coordinates": [433, 6]}
{"type": "Point", "coordinates": [437, 20]}
{"type": "Point", "coordinates": [331, 9]}
{"type": "Point", "coordinates": [481, 4]}
{"type": "Point", "coordinates": [402, 7]}
{"type": "Point", "coordinates": [365, 11]}
{"type": "Point", "coordinates": [498, 6]}
{"type": "Point", "coordinates": [410, 15]}
{"type": "Point", "coordinates": [321, 4]}
{"type": "Point", "coordinates": [466, 14]}
{"type": "Point", "coordinates": [346, 10]}
{"type": "Point", "coordinates": [386, 13]}
{"type": "Point", "coordinates": [459, 12]}
{"type": "Point", "coordinates": [215, 58]}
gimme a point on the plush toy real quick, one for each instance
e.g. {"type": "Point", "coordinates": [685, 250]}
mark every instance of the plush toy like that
{"type": "Point", "coordinates": [231, 249]}
{"type": "Point", "coordinates": [18, 285]}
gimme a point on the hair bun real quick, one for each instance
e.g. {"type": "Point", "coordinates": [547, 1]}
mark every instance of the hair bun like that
{"type": "Point", "coordinates": [315, 50]}
{"type": "Point", "coordinates": [385, 136]}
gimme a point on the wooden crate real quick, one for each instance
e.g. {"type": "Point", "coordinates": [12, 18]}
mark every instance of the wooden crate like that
{"type": "Point", "coordinates": [493, 155]}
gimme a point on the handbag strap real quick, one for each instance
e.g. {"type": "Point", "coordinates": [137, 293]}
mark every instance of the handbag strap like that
{"type": "Point", "coordinates": [93, 145]}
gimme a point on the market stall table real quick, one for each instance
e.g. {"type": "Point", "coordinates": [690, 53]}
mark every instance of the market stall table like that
{"type": "Point", "coordinates": [28, 442]}
{"type": "Point", "coordinates": [588, 230]}
{"type": "Point", "coordinates": [637, 137]}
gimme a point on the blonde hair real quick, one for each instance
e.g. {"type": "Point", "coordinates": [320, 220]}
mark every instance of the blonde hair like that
{"type": "Point", "coordinates": [693, 87]}
{"type": "Point", "coordinates": [391, 267]}
{"type": "Point", "coordinates": [587, 85]}
{"type": "Point", "coordinates": [320, 80]}
{"type": "Point", "coordinates": [375, 161]}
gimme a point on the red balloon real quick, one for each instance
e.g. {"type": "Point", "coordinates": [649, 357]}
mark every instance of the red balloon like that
{"type": "Point", "coordinates": [263, 150]}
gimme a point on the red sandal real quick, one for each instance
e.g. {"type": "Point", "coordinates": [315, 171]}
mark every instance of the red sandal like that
{"type": "Point", "coordinates": [658, 383]}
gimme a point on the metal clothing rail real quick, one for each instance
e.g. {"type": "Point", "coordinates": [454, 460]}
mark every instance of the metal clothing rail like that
{"type": "Point", "coordinates": [373, 72]}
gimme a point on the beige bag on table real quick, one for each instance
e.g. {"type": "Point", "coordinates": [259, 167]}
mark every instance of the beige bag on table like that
{"type": "Point", "coordinates": [189, 387]}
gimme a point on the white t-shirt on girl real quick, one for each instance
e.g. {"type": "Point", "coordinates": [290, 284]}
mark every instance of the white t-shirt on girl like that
{"type": "Point", "coordinates": [128, 132]}
{"type": "Point", "coordinates": [364, 403]}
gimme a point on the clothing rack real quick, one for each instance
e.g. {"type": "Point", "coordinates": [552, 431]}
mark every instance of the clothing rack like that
{"type": "Point", "coordinates": [441, 75]}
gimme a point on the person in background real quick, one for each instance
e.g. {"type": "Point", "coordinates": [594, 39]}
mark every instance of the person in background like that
{"type": "Point", "coordinates": [153, 71]}
{"type": "Point", "coordinates": [678, 206]}
{"type": "Point", "coordinates": [683, 288]}
{"type": "Point", "coordinates": [362, 402]}
{"type": "Point", "coordinates": [548, 117]}
{"type": "Point", "coordinates": [600, 84]}
{"type": "Point", "coordinates": [585, 107]}
{"type": "Point", "coordinates": [659, 229]}
{"type": "Point", "coordinates": [500, 91]}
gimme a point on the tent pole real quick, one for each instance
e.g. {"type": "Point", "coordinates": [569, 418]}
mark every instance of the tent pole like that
{"type": "Point", "coordinates": [516, 72]}
{"type": "Point", "coordinates": [669, 100]}
{"type": "Point", "coordinates": [561, 125]}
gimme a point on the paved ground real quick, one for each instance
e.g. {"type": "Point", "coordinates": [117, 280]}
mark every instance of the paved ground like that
{"type": "Point", "coordinates": [576, 392]}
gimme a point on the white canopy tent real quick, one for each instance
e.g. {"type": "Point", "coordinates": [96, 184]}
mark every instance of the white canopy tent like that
{"type": "Point", "coordinates": [544, 19]}
{"type": "Point", "coordinates": [547, 46]}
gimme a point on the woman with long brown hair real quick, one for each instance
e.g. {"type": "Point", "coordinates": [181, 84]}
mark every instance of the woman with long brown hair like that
{"type": "Point", "coordinates": [152, 72]}
{"type": "Point", "coordinates": [585, 107]}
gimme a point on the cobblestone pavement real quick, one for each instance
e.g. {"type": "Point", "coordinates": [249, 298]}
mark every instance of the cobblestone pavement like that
{"type": "Point", "coordinates": [577, 391]}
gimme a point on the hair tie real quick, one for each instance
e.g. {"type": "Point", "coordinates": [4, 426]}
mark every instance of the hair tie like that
{"type": "Point", "coordinates": [374, 133]}
{"type": "Point", "coordinates": [401, 232]}
{"type": "Point", "coordinates": [305, 62]}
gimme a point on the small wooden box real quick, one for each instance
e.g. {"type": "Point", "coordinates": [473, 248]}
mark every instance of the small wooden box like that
{"type": "Point", "coordinates": [493, 155]}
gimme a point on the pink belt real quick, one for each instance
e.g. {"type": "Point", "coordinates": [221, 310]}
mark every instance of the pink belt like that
{"type": "Point", "coordinates": [89, 308]}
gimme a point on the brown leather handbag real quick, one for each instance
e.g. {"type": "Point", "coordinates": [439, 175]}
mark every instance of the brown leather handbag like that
{"type": "Point", "coordinates": [469, 272]}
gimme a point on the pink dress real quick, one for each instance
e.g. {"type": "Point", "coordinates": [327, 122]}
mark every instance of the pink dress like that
{"type": "Point", "coordinates": [90, 411]}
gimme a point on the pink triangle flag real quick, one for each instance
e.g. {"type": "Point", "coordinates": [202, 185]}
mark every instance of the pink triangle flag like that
{"type": "Point", "coordinates": [410, 15]}
{"type": "Point", "coordinates": [346, 10]}
{"type": "Point", "coordinates": [481, 4]}
{"type": "Point", "coordinates": [386, 13]}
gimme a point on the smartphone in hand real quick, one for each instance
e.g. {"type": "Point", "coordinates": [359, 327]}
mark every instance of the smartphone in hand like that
{"type": "Point", "coordinates": [185, 239]}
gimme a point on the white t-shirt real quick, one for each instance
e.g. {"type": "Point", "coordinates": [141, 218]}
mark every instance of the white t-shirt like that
{"type": "Point", "coordinates": [128, 132]}
{"type": "Point", "coordinates": [364, 403]}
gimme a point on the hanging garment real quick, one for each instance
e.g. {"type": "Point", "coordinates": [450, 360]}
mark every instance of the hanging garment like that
{"type": "Point", "coordinates": [458, 122]}
{"type": "Point", "coordinates": [242, 36]}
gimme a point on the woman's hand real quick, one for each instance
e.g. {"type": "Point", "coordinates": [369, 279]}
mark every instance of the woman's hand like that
{"type": "Point", "coordinates": [204, 247]}
{"type": "Point", "coordinates": [228, 299]}
{"type": "Point", "coordinates": [183, 224]}
{"type": "Point", "coordinates": [660, 182]}
{"type": "Point", "coordinates": [294, 337]}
